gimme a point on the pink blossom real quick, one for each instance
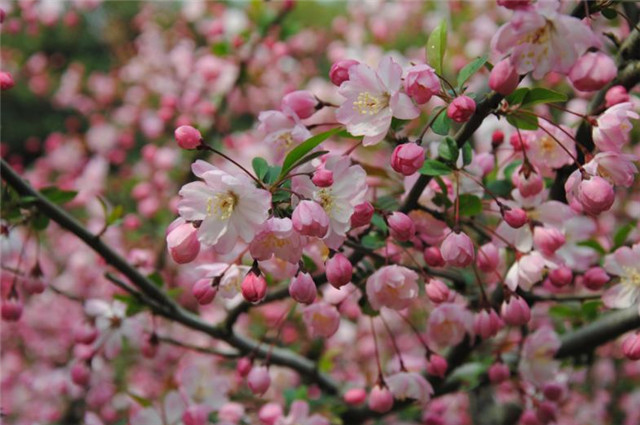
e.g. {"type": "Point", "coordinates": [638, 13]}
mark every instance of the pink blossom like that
{"type": "Point", "coordinates": [301, 103]}
{"type": "Point", "coordinates": [355, 396]}
{"type": "Point", "coordinates": [229, 207]}
{"type": "Point", "coordinates": [498, 373]}
{"type": "Point", "coordinates": [407, 158]}
{"type": "Point", "coordinates": [339, 270]}
{"type": "Point", "coordinates": [457, 249]}
{"type": "Point", "coordinates": [303, 289]}
{"type": "Point", "coordinates": [254, 287]}
{"type": "Point", "coordinates": [615, 95]}
{"type": "Point", "coordinates": [503, 78]}
{"type": "Point", "coordinates": [515, 311]}
{"type": "Point", "coordinates": [433, 257]}
{"type": "Point", "coordinates": [196, 415]}
{"type": "Point", "coordinates": [526, 271]}
{"type": "Point", "coordinates": [619, 169]}
{"type": "Point", "coordinates": [612, 128]}
{"type": "Point", "coordinates": [409, 386]}
{"type": "Point", "coordinates": [310, 219]}
{"type": "Point", "coordinates": [487, 323]}
{"type": "Point", "coordinates": [561, 276]}
{"type": "Point", "coordinates": [488, 257]}
{"type": "Point", "coordinates": [448, 324]}
{"type": "Point", "coordinates": [113, 325]}
{"type": "Point", "coordinates": [401, 226]}
{"type": "Point", "coordinates": [421, 83]}
{"type": "Point", "coordinates": [595, 195]}
{"type": "Point", "coordinates": [373, 98]}
{"type": "Point", "coordinates": [321, 319]}
{"type": "Point", "coordinates": [393, 287]}
{"type": "Point", "coordinates": [188, 137]}
{"type": "Point", "coordinates": [299, 415]}
{"type": "Point", "coordinates": [592, 71]}
{"type": "Point", "coordinates": [461, 109]}
{"type": "Point", "coordinates": [182, 241]}
{"type": "Point", "coordinates": [322, 177]}
{"type": "Point", "coordinates": [537, 364]}
{"type": "Point", "coordinates": [595, 278]}
{"type": "Point", "coordinates": [231, 412]}
{"type": "Point", "coordinates": [437, 291]}
{"type": "Point", "coordinates": [551, 146]}
{"type": "Point", "coordinates": [437, 366]}
{"type": "Point", "coordinates": [631, 346]}
{"type": "Point", "coordinates": [281, 131]}
{"type": "Point", "coordinates": [6, 81]}
{"type": "Point", "coordinates": [204, 291]}
{"type": "Point", "coordinates": [515, 217]}
{"type": "Point", "coordinates": [362, 214]}
{"type": "Point", "coordinates": [339, 72]}
{"type": "Point", "coordinates": [547, 240]}
{"type": "Point", "coordinates": [278, 237]}
{"type": "Point", "coordinates": [270, 413]}
{"type": "Point", "coordinates": [168, 413]}
{"type": "Point", "coordinates": [259, 380]}
{"type": "Point", "coordinates": [380, 399]}
{"type": "Point", "coordinates": [624, 263]}
{"type": "Point", "coordinates": [529, 184]}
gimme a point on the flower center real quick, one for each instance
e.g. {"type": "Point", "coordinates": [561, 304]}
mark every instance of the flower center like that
{"type": "Point", "coordinates": [222, 205]}
{"type": "Point", "coordinates": [370, 104]}
{"type": "Point", "coordinates": [325, 198]}
{"type": "Point", "coordinates": [632, 276]}
{"type": "Point", "coordinates": [547, 144]}
{"type": "Point", "coordinates": [286, 140]}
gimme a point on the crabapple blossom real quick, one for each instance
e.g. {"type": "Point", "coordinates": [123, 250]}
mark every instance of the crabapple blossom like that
{"type": "Point", "coordinates": [498, 372]}
{"type": "Point", "coordinates": [595, 278]}
{"type": "Point", "coordinates": [437, 291]}
{"type": "Point", "coordinates": [254, 287]}
{"type": "Point", "coordinates": [624, 263]}
{"type": "Point", "coordinates": [259, 380]}
{"type": "Point", "coordinates": [487, 323]}
{"type": "Point", "coordinates": [437, 366]}
{"type": "Point", "coordinates": [595, 195]}
{"type": "Point", "coordinates": [322, 177]}
{"type": "Point", "coordinates": [488, 257]}
{"type": "Point", "coordinates": [401, 226]}
{"type": "Point", "coordinates": [409, 385]}
{"type": "Point", "coordinates": [6, 81]}
{"type": "Point", "coordinates": [537, 364]}
{"type": "Point", "coordinates": [310, 219]}
{"type": "Point", "coordinates": [380, 399]}
{"type": "Point", "coordinates": [631, 346]}
{"type": "Point", "coordinates": [592, 71]}
{"type": "Point", "coordinates": [303, 289]}
{"type": "Point", "coordinates": [515, 311]}
{"type": "Point", "coordinates": [204, 291]}
{"type": "Point", "coordinates": [457, 249]}
{"type": "Point", "coordinates": [448, 324]}
{"type": "Point", "coordinates": [182, 241]}
{"type": "Point", "coordinates": [322, 319]}
{"type": "Point", "coordinates": [282, 131]}
{"type": "Point", "coordinates": [270, 413]}
{"type": "Point", "coordinates": [561, 276]}
{"type": "Point", "coordinates": [339, 270]}
{"type": "Point", "coordinates": [278, 237]}
{"type": "Point", "coordinates": [339, 72]}
{"type": "Point", "coordinates": [515, 217]}
{"type": "Point", "coordinates": [461, 109]}
{"type": "Point", "coordinates": [433, 257]}
{"type": "Point", "coordinates": [407, 158]}
{"type": "Point", "coordinates": [188, 137]}
{"type": "Point", "coordinates": [503, 77]}
{"type": "Point", "coordinates": [421, 83]}
{"type": "Point", "coordinates": [355, 396]}
{"type": "Point", "coordinates": [301, 102]}
{"type": "Point", "coordinates": [612, 128]}
{"type": "Point", "coordinates": [616, 94]}
{"type": "Point", "coordinates": [392, 287]}
{"type": "Point", "coordinates": [299, 415]}
{"type": "Point", "coordinates": [362, 214]}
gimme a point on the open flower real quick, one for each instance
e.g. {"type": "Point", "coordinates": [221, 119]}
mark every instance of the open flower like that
{"type": "Point", "coordinates": [373, 99]}
{"type": "Point", "coordinates": [282, 131]}
{"type": "Point", "coordinates": [612, 128]}
{"type": "Point", "coordinates": [537, 364]}
{"type": "Point", "coordinates": [624, 263]}
{"type": "Point", "coordinates": [229, 207]}
{"type": "Point", "coordinates": [277, 237]}
{"type": "Point", "coordinates": [410, 385]}
{"type": "Point", "coordinates": [393, 287]}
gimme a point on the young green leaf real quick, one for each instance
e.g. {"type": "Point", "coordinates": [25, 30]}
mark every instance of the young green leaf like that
{"type": "Point", "coordinates": [58, 196]}
{"type": "Point", "coordinates": [528, 123]}
{"type": "Point", "coordinates": [540, 95]}
{"type": "Point", "coordinates": [436, 45]}
{"type": "Point", "coordinates": [432, 167]}
{"type": "Point", "coordinates": [260, 167]}
{"type": "Point", "coordinates": [469, 69]}
{"type": "Point", "coordinates": [304, 148]}
{"type": "Point", "coordinates": [470, 205]}
{"type": "Point", "coordinates": [448, 149]}
{"type": "Point", "coordinates": [441, 125]}
{"type": "Point", "coordinates": [467, 153]}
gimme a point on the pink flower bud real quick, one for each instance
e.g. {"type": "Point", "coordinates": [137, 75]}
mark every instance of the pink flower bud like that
{"type": "Point", "coordinates": [631, 346]}
{"type": "Point", "coordinates": [615, 95]}
{"type": "Point", "coordinates": [595, 278]}
{"type": "Point", "coordinates": [401, 226]}
{"type": "Point", "coordinates": [503, 77]}
{"type": "Point", "coordinates": [498, 373]}
{"type": "Point", "coordinates": [437, 366]}
{"type": "Point", "coordinates": [461, 109]}
{"type": "Point", "coordinates": [421, 83]}
{"type": "Point", "coordinates": [433, 257]}
{"type": "Point", "coordinates": [196, 414]}
{"type": "Point", "coordinates": [301, 102]}
{"type": "Point", "coordinates": [553, 391]}
{"type": "Point", "coordinates": [592, 71]}
{"type": "Point", "coordinates": [11, 309]}
{"type": "Point", "coordinates": [259, 380]}
{"type": "Point", "coordinates": [457, 249]}
{"type": "Point", "coordinates": [437, 291]}
{"type": "Point", "coordinates": [515, 217]}
{"type": "Point", "coordinates": [515, 311]}
{"type": "Point", "coordinates": [529, 417]}
{"type": "Point", "coordinates": [488, 257]}
{"type": "Point", "coordinates": [310, 219]}
{"type": "Point", "coordinates": [561, 276]}
{"type": "Point", "coordinates": [362, 214]}
{"type": "Point", "coordinates": [84, 333]}
{"type": "Point", "coordinates": [204, 291]}
{"type": "Point", "coordinates": [547, 239]}
{"type": "Point", "coordinates": [546, 412]}
{"type": "Point", "coordinates": [243, 367]}
{"type": "Point", "coordinates": [303, 288]}
{"type": "Point", "coordinates": [497, 138]}
{"type": "Point", "coordinates": [355, 396]}
{"type": "Point", "coordinates": [339, 72]}
{"type": "Point", "coordinates": [487, 323]}
{"type": "Point", "coordinates": [380, 399]}
{"type": "Point", "coordinates": [6, 81]}
{"type": "Point", "coordinates": [80, 373]}
{"type": "Point", "coordinates": [339, 270]}
{"type": "Point", "coordinates": [322, 177]}
{"type": "Point", "coordinates": [187, 137]}
{"type": "Point", "coordinates": [514, 4]}
{"type": "Point", "coordinates": [595, 195]}
{"type": "Point", "coordinates": [34, 284]}
{"type": "Point", "coordinates": [270, 413]}
{"type": "Point", "coordinates": [528, 186]}
{"type": "Point", "coordinates": [254, 288]}
{"type": "Point", "coordinates": [231, 412]}
{"type": "Point", "coordinates": [182, 241]}
{"type": "Point", "coordinates": [407, 158]}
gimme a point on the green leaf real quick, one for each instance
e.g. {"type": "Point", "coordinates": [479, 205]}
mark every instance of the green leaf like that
{"type": "Point", "coordinates": [387, 203]}
{"type": "Point", "coordinates": [40, 222]}
{"type": "Point", "coordinates": [443, 187]}
{"type": "Point", "coordinates": [467, 153]}
{"type": "Point", "coordinates": [441, 125]}
{"type": "Point", "coordinates": [593, 244]}
{"type": "Point", "coordinates": [500, 187]}
{"type": "Point", "coordinates": [448, 149]}
{"type": "Point", "coordinates": [272, 174]}
{"type": "Point", "coordinates": [469, 69]}
{"type": "Point", "coordinates": [436, 45]}
{"type": "Point", "coordinates": [509, 169]}
{"type": "Point", "coordinates": [529, 123]}
{"type": "Point", "coordinates": [304, 148]}
{"type": "Point", "coordinates": [140, 400]}
{"type": "Point", "coordinates": [432, 167]}
{"type": "Point", "coordinates": [156, 279]}
{"type": "Point", "coordinates": [309, 264]}
{"type": "Point", "coordinates": [379, 222]}
{"type": "Point", "coordinates": [116, 214]}
{"type": "Point", "coordinates": [372, 242]}
{"type": "Point", "coordinates": [540, 95]}
{"type": "Point", "coordinates": [58, 196]}
{"type": "Point", "coordinates": [517, 97]}
{"type": "Point", "coordinates": [609, 13]}
{"type": "Point", "coordinates": [260, 167]}
{"type": "Point", "coordinates": [621, 235]}
{"type": "Point", "coordinates": [470, 205]}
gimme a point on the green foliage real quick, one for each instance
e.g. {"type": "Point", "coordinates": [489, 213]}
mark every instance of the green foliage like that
{"type": "Point", "coordinates": [448, 150]}
{"type": "Point", "coordinates": [433, 167]}
{"type": "Point", "coordinates": [297, 156]}
{"type": "Point", "coordinates": [470, 205]}
{"type": "Point", "coordinates": [436, 46]}
{"type": "Point", "coordinates": [469, 69]}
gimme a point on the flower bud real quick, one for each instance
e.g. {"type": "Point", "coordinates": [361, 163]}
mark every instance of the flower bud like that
{"type": "Point", "coordinates": [362, 214]}
{"type": "Point", "coordinates": [546, 412]}
{"type": "Point", "coordinates": [631, 346]}
{"type": "Point", "coordinates": [270, 413]}
{"type": "Point", "coordinates": [355, 396]}
{"type": "Point", "coordinates": [259, 380]}
{"type": "Point", "coordinates": [553, 391]}
{"type": "Point", "coordinates": [182, 241]}
{"type": "Point", "coordinates": [529, 417]}
{"type": "Point", "coordinates": [457, 249]}
{"type": "Point", "coordinates": [231, 412]}
{"type": "Point", "coordinates": [498, 373]}
{"type": "Point", "coordinates": [322, 177]}
{"type": "Point", "coordinates": [515, 217]}
{"type": "Point", "coordinates": [204, 291]}
{"type": "Point", "coordinates": [187, 137]}
{"type": "Point", "coordinates": [34, 284]}
{"type": "Point", "coordinates": [421, 83]}
{"type": "Point", "coordinates": [514, 4]}
{"type": "Point", "coordinates": [407, 158]}
{"type": "Point", "coordinates": [401, 226]}
{"type": "Point", "coordinates": [488, 257]}
{"type": "Point", "coordinates": [339, 72]}
{"type": "Point", "coordinates": [561, 276]}
{"type": "Point", "coordinates": [528, 186]}
{"type": "Point", "coordinates": [592, 71]}
{"type": "Point", "coordinates": [503, 77]}
{"type": "Point", "coordinates": [433, 257]}
{"type": "Point", "coordinates": [301, 102]}
{"type": "Point", "coordinates": [515, 311]}
{"type": "Point", "coordinates": [310, 219]}
{"type": "Point", "coordinates": [196, 414]}
{"type": "Point", "coordinates": [547, 239]}
{"type": "Point", "coordinates": [6, 81]}
{"type": "Point", "coordinates": [497, 138]}
{"type": "Point", "coordinates": [254, 288]}
{"type": "Point", "coordinates": [380, 399]}
{"type": "Point", "coordinates": [461, 109]}
{"type": "Point", "coordinates": [80, 373]}
{"type": "Point", "coordinates": [84, 333]}
{"type": "Point", "coordinates": [303, 289]}
{"type": "Point", "coordinates": [595, 195]}
{"type": "Point", "coordinates": [487, 323]}
{"type": "Point", "coordinates": [11, 309]}
{"type": "Point", "coordinates": [437, 291]}
{"type": "Point", "coordinates": [615, 95]}
{"type": "Point", "coordinates": [437, 366]}
{"type": "Point", "coordinates": [595, 278]}
{"type": "Point", "coordinates": [339, 270]}
{"type": "Point", "coordinates": [243, 367]}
